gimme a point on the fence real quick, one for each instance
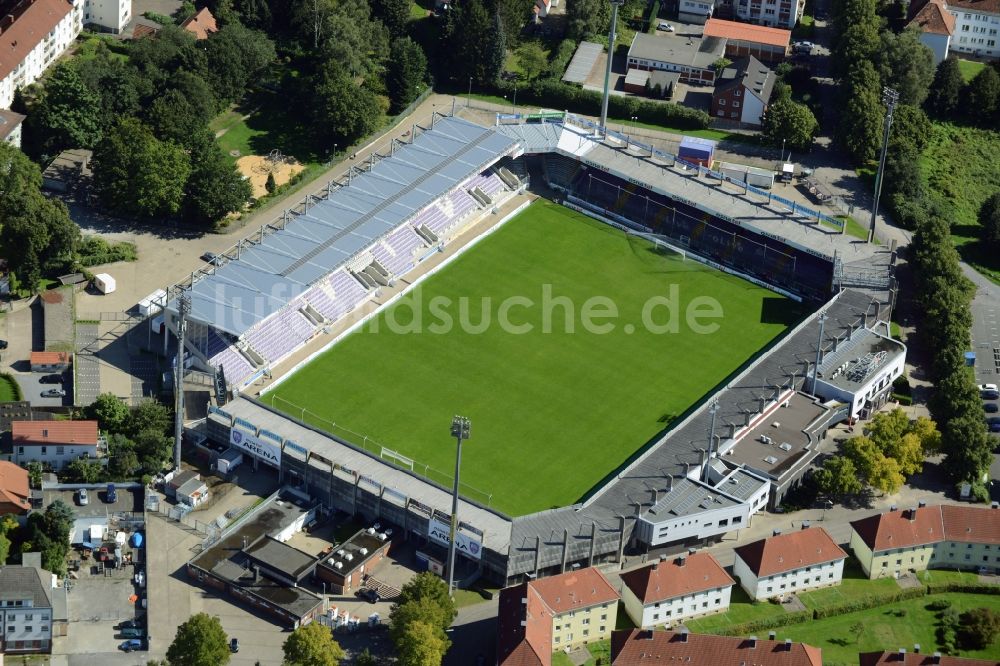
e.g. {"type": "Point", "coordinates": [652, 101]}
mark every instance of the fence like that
{"type": "Point", "coordinates": [375, 449]}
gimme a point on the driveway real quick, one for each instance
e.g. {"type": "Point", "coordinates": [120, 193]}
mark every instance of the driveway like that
{"type": "Point", "coordinates": [985, 328]}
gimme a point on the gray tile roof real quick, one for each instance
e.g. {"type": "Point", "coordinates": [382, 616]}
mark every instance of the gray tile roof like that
{"type": "Point", "coordinates": [18, 583]}
{"type": "Point", "coordinates": [685, 50]}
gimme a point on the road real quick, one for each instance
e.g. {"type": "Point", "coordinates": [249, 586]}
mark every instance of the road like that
{"type": "Point", "coordinates": [474, 632]}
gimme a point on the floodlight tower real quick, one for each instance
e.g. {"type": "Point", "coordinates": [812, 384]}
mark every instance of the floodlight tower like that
{"type": "Point", "coordinates": [460, 429]}
{"type": "Point", "coordinates": [183, 310]}
{"type": "Point", "coordinates": [615, 4]}
{"type": "Point", "coordinates": [889, 97]}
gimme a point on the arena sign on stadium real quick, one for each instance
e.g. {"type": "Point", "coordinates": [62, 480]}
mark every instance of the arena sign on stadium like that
{"type": "Point", "coordinates": [464, 543]}
{"type": "Point", "coordinates": [258, 448]}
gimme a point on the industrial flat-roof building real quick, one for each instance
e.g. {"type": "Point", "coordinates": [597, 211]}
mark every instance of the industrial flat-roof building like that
{"type": "Point", "coordinates": [859, 368]}
{"type": "Point", "coordinates": [692, 57]}
{"type": "Point", "coordinates": [746, 39]}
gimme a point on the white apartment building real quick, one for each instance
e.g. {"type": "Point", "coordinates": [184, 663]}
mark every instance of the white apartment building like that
{"type": "Point", "coordinates": [55, 443]}
{"type": "Point", "coordinates": [32, 38]}
{"type": "Point", "coordinates": [25, 610]}
{"type": "Point", "coordinates": [107, 15]}
{"type": "Point", "coordinates": [667, 592]}
{"type": "Point", "coordinates": [775, 13]}
{"type": "Point", "coordinates": [788, 563]}
{"type": "Point", "coordinates": [977, 23]}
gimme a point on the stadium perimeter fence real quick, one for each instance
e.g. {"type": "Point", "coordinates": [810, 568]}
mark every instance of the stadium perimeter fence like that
{"type": "Point", "coordinates": [378, 450]}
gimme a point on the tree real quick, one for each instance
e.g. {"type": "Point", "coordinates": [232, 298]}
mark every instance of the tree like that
{"type": "Point", "coordinates": [216, 187]}
{"type": "Point", "coordinates": [236, 56]}
{"type": "Point", "coordinates": [4, 547]}
{"type": "Point", "coordinates": [123, 462]}
{"type": "Point", "coordinates": [587, 19]}
{"type": "Point", "coordinates": [858, 628]}
{"type": "Point", "coordinates": [927, 432]}
{"type": "Point", "coordinates": [989, 220]}
{"type": "Point", "coordinates": [67, 115]}
{"type": "Point", "coordinates": [978, 628]}
{"type": "Point", "coordinates": [860, 128]}
{"type": "Point", "coordinates": [424, 610]}
{"type": "Point", "coordinates": [514, 14]}
{"type": "Point", "coordinates": [200, 641]}
{"type": "Point", "coordinates": [172, 49]}
{"type": "Point", "coordinates": [791, 122]}
{"type": "Point", "coordinates": [983, 97]}
{"type": "Point", "coordinates": [838, 477]}
{"type": "Point", "coordinates": [394, 15]}
{"type": "Point", "coordinates": [906, 64]}
{"type": "Point", "coordinates": [886, 428]}
{"type": "Point", "coordinates": [269, 184]}
{"type": "Point", "coordinates": [422, 645]}
{"type": "Point", "coordinates": [136, 173]}
{"type": "Point", "coordinates": [34, 473]}
{"type": "Point", "coordinates": [532, 60]}
{"type": "Point", "coordinates": [496, 51]}
{"type": "Point", "coordinates": [406, 73]}
{"type": "Point", "coordinates": [341, 110]}
{"type": "Point", "coordinates": [312, 645]}
{"type": "Point", "coordinates": [366, 658]}
{"type": "Point", "coordinates": [109, 411]}
{"type": "Point", "coordinates": [153, 449]}
{"type": "Point", "coordinates": [426, 585]}
{"type": "Point", "coordinates": [84, 471]}
{"type": "Point", "coordinates": [942, 100]}
{"type": "Point", "coordinates": [342, 32]}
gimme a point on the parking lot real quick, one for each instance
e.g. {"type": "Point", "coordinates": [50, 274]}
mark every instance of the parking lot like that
{"type": "Point", "coordinates": [128, 500]}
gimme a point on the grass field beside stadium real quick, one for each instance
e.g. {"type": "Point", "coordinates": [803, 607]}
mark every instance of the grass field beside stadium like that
{"type": "Point", "coordinates": [553, 412]}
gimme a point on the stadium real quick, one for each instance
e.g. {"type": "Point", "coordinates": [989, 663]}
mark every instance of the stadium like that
{"type": "Point", "coordinates": [319, 330]}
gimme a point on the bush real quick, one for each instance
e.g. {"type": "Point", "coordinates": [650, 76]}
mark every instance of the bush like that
{"type": "Point", "coordinates": [747, 628]}
{"type": "Point", "coordinates": [158, 18]}
{"type": "Point", "coordinates": [865, 603]}
{"type": "Point", "coordinates": [94, 251]}
{"type": "Point", "coordinates": [939, 605]}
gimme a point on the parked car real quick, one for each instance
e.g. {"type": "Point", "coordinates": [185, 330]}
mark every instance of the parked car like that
{"type": "Point", "coordinates": [137, 623]}
{"type": "Point", "coordinates": [989, 391]}
{"type": "Point", "coordinates": [234, 645]}
{"type": "Point", "coordinates": [991, 407]}
{"type": "Point", "coordinates": [3, 344]}
{"type": "Point", "coordinates": [994, 423]}
{"type": "Point", "coordinates": [666, 27]}
{"type": "Point", "coordinates": [211, 258]}
{"type": "Point", "coordinates": [131, 645]}
{"type": "Point", "coordinates": [51, 379]}
{"type": "Point", "coordinates": [803, 47]}
{"type": "Point", "coordinates": [111, 495]}
{"type": "Point", "coordinates": [131, 632]}
{"type": "Point", "coordinates": [82, 498]}
{"type": "Point", "coordinates": [368, 594]}
{"type": "Point", "coordinates": [53, 393]}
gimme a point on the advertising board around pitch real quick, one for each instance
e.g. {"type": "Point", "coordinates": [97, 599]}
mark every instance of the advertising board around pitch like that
{"type": "Point", "coordinates": [269, 452]}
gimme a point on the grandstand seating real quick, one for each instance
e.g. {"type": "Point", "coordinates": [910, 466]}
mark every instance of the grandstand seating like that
{"type": "Point", "coordinates": [559, 170]}
{"type": "Point", "coordinates": [234, 364]}
{"type": "Point", "coordinates": [403, 242]}
{"type": "Point", "coordinates": [456, 206]}
{"type": "Point", "coordinates": [489, 183]}
{"type": "Point", "coordinates": [280, 335]}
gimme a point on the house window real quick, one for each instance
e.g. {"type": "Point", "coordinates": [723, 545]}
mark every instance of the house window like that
{"type": "Point", "coordinates": [737, 93]}
{"type": "Point", "coordinates": [721, 113]}
{"type": "Point", "coordinates": [736, 104]}
{"type": "Point", "coordinates": [722, 101]}
{"type": "Point", "coordinates": [60, 450]}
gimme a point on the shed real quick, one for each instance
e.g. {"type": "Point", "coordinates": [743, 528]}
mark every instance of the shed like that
{"type": "Point", "coordinates": [50, 361]}
{"type": "Point", "coordinates": [193, 492]}
{"type": "Point", "coordinates": [105, 283]}
{"type": "Point", "coordinates": [697, 151]}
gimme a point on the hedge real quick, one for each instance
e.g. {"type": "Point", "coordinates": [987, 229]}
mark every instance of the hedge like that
{"type": "Point", "coordinates": [94, 251]}
{"type": "Point", "coordinates": [868, 602]}
{"type": "Point", "coordinates": [968, 588]}
{"type": "Point", "coordinates": [557, 95]}
{"type": "Point", "coordinates": [748, 628]}
{"type": "Point", "coordinates": [560, 58]}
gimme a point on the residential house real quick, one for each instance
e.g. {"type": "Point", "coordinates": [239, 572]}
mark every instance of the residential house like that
{"type": "Point", "coordinates": [692, 57]}
{"type": "Point", "coordinates": [937, 27]}
{"type": "Point", "coordinates": [902, 657]}
{"type": "Point", "coordinates": [25, 610]}
{"type": "Point", "coordinates": [670, 591]}
{"type": "Point", "coordinates": [201, 25]}
{"type": "Point", "coordinates": [569, 610]}
{"type": "Point", "coordinates": [778, 13]}
{"type": "Point", "coordinates": [107, 15]}
{"type": "Point", "coordinates": [33, 34]}
{"type": "Point", "coordinates": [695, 11]}
{"type": "Point", "coordinates": [742, 92]}
{"type": "Point", "coordinates": [56, 443]}
{"type": "Point", "coordinates": [634, 647]}
{"type": "Point", "coordinates": [10, 127]}
{"type": "Point", "coordinates": [926, 537]}
{"type": "Point", "coordinates": [15, 493]}
{"type": "Point", "coordinates": [746, 39]}
{"type": "Point", "coordinates": [50, 361]}
{"type": "Point", "coordinates": [786, 563]}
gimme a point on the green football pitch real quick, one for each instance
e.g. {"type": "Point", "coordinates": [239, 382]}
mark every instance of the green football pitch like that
{"type": "Point", "coordinates": [556, 408]}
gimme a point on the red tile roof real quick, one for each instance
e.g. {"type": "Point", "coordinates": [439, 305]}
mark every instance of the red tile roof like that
{"type": "Point", "coordinates": [901, 529]}
{"type": "Point", "coordinates": [524, 629]}
{"type": "Point", "coordinates": [969, 523]}
{"type": "Point", "coordinates": [746, 32]}
{"type": "Point", "coordinates": [787, 552]}
{"type": "Point", "coordinates": [934, 18]}
{"type": "Point", "coordinates": [641, 647]}
{"type": "Point", "coordinates": [14, 491]}
{"type": "Point", "coordinates": [574, 590]}
{"type": "Point", "coordinates": [28, 30]}
{"type": "Point", "coordinates": [677, 577]}
{"type": "Point", "coordinates": [27, 433]}
{"type": "Point", "coordinates": [49, 358]}
{"type": "Point", "coordinates": [914, 659]}
{"type": "Point", "coordinates": [201, 25]}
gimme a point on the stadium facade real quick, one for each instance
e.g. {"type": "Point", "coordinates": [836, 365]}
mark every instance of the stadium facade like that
{"type": "Point", "coordinates": [702, 478]}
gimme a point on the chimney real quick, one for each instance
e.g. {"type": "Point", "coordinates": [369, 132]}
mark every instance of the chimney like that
{"type": "Point", "coordinates": [788, 644]}
{"type": "Point", "coordinates": [916, 648]}
{"type": "Point", "coordinates": [805, 524]}
{"type": "Point", "coordinates": [936, 659]}
{"type": "Point", "coordinates": [776, 533]}
{"type": "Point", "coordinates": [663, 557]}
{"type": "Point", "coordinates": [902, 654]}
{"type": "Point", "coordinates": [683, 635]}
{"type": "Point", "coordinates": [893, 508]}
{"type": "Point", "coordinates": [995, 505]}
{"type": "Point", "coordinates": [912, 514]}
{"type": "Point", "coordinates": [680, 561]}
{"type": "Point", "coordinates": [692, 551]}
{"type": "Point", "coordinates": [752, 643]}
{"type": "Point", "coordinates": [771, 635]}
{"type": "Point", "coordinates": [921, 504]}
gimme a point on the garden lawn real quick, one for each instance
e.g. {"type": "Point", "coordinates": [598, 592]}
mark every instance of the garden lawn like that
{"type": "Point", "coordinates": [969, 68]}
{"type": "Point", "coordinates": [741, 609]}
{"type": "Point", "coordinates": [9, 390]}
{"type": "Point", "coordinates": [558, 407]}
{"type": "Point", "coordinates": [853, 587]}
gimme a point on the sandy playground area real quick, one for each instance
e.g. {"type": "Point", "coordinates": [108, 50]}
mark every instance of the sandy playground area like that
{"type": "Point", "coordinates": [256, 168]}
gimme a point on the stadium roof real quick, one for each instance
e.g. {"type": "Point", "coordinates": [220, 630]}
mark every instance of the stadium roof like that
{"type": "Point", "coordinates": [267, 276]}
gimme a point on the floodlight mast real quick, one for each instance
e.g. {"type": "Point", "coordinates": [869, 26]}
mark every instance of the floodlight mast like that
{"type": "Point", "coordinates": [460, 429]}
{"type": "Point", "coordinates": [612, 35]}
{"type": "Point", "coordinates": [183, 309]}
{"type": "Point", "coordinates": [890, 98]}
